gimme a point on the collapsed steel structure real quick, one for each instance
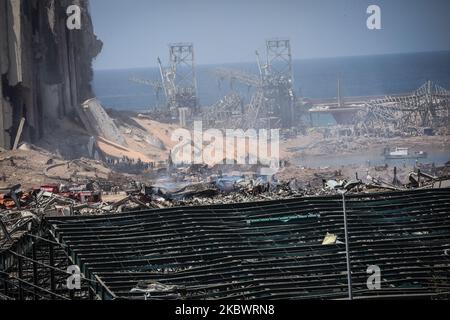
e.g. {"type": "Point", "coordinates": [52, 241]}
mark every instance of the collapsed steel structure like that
{"type": "Point", "coordinates": [427, 107]}
{"type": "Point", "coordinates": [273, 101]}
{"type": "Point", "coordinates": [35, 268]}
{"type": "Point", "coordinates": [179, 81]}
{"type": "Point", "coordinates": [264, 250]}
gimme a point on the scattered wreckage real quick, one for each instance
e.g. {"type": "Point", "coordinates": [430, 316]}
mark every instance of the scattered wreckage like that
{"type": "Point", "coordinates": [19, 209]}
{"type": "Point", "coordinates": [36, 226]}
{"type": "Point", "coordinates": [89, 198]}
{"type": "Point", "coordinates": [282, 249]}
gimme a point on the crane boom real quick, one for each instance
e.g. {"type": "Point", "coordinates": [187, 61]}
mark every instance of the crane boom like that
{"type": "Point", "coordinates": [241, 76]}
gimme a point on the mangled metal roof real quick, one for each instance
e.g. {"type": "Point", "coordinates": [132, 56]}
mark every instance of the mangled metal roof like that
{"type": "Point", "coordinates": [268, 250]}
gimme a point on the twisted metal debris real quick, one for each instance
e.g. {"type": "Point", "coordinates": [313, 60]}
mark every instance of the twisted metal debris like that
{"type": "Point", "coordinates": [427, 107]}
{"type": "Point", "coordinates": [213, 252]}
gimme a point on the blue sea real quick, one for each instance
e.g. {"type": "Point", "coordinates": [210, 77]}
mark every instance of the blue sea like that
{"type": "Point", "coordinates": [314, 78]}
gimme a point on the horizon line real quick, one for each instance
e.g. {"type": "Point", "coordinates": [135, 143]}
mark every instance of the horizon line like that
{"type": "Point", "coordinates": [295, 59]}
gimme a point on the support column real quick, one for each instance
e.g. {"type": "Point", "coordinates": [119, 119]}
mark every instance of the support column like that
{"type": "Point", "coordinates": [35, 270]}
{"type": "Point", "coordinates": [52, 271]}
{"type": "Point", "coordinates": [20, 276]}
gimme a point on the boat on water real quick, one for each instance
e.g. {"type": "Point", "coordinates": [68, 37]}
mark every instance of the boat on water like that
{"type": "Point", "coordinates": [404, 153]}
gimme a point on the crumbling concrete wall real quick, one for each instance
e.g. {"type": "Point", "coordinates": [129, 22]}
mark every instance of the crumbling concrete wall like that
{"type": "Point", "coordinates": [45, 67]}
{"type": "Point", "coordinates": [98, 122]}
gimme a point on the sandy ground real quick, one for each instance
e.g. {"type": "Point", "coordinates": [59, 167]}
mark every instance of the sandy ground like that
{"type": "Point", "coordinates": [23, 167]}
{"type": "Point", "coordinates": [34, 168]}
{"type": "Point", "coordinates": [313, 144]}
{"type": "Point", "coordinates": [113, 197]}
{"type": "Point", "coordinates": [151, 141]}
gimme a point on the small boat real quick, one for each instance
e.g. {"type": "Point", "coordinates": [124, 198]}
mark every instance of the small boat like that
{"type": "Point", "coordinates": [403, 153]}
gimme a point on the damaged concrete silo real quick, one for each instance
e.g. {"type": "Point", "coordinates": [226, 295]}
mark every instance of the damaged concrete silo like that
{"type": "Point", "coordinates": [45, 67]}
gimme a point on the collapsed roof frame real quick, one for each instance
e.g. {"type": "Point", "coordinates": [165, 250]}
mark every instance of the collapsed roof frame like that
{"type": "Point", "coordinates": [267, 250]}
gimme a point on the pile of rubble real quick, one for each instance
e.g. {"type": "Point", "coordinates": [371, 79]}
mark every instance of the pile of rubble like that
{"type": "Point", "coordinates": [20, 211]}
{"type": "Point", "coordinates": [226, 190]}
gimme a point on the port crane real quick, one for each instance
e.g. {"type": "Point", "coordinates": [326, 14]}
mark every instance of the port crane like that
{"type": "Point", "coordinates": [233, 75]}
{"type": "Point", "coordinates": [157, 86]}
{"type": "Point", "coordinates": [272, 104]}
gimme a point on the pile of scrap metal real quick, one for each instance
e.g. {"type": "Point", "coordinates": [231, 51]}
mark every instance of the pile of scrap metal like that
{"type": "Point", "coordinates": [13, 225]}
{"type": "Point", "coordinates": [418, 179]}
{"type": "Point", "coordinates": [241, 189]}
{"type": "Point", "coordinates": [15, 219]}
{"type": "Point", "coordinates": [21, 212]}
{"type": "Point", "coordinates": [223, 190]}
{"type": "Point", "coordinates": [48, 199]}
{"type": "Point", "coordinates": [429, 177]}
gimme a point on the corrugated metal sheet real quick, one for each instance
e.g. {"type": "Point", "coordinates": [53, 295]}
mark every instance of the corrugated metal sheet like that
{"type": "Point", "coordinates": [269, 250]}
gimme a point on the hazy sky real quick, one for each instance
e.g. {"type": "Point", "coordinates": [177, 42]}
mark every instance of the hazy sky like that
{"type": "Point", "coordinates": [136, 32]}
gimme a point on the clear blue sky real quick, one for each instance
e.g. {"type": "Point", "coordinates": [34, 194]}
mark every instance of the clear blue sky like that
{"type": "Point", "coordinates": [135, 32]}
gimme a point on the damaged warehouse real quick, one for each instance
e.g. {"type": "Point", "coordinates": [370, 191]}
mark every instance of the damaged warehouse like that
{"type": "Point", "coordinates": [265, 250]}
